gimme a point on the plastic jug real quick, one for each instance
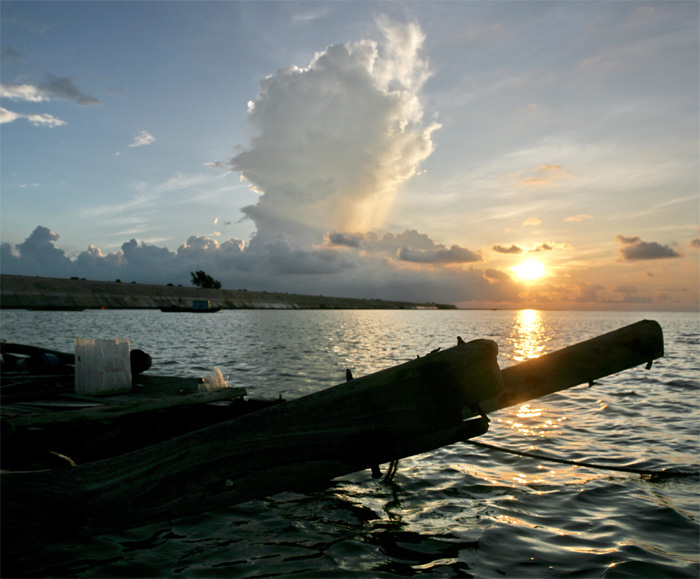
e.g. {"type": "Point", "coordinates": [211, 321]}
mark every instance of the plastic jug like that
{"type": "Point", "coordinates": [102, 366]}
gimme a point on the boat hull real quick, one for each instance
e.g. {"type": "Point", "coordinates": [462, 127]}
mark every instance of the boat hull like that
{"type": "Point", "coordinates": [179, 310]}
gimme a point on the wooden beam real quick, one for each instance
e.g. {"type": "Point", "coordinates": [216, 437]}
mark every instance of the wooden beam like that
{"type": "Point", "coordinates": [582, 363]}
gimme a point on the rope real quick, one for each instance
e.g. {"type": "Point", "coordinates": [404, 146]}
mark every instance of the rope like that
{"type": "Point", "coordinates": [665, 473]}
{"type": "Point", "coordinates": [391, 472]}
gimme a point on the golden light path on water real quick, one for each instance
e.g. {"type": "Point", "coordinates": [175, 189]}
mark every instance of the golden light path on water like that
{"type": "Point", "coordinates": [528, 336]}
{"type": "Point", "coordinates": [528, 339]}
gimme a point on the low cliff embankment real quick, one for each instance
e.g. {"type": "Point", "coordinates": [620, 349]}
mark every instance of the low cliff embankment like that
{"type": "Point", "coordinates": [17, 291]}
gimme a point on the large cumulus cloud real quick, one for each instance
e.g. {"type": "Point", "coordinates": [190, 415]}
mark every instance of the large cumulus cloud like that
{"type": "Point", "coordinates": [336, 138]}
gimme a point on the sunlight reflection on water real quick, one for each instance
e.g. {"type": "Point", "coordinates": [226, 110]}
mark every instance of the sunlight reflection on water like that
{"type": "Point", "coordinates": [529, 338]}
{"type": "Point", "coordinates": [528, 335]}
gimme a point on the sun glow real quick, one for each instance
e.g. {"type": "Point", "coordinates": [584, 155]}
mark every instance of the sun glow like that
{"type": "Point", "coordinates": [529, 270]}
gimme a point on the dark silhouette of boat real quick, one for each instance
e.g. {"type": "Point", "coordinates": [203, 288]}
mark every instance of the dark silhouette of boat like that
{"type": "Point", "coordinates": [197, 307]}
{"type": "Point", "coordinates": [172, 447]}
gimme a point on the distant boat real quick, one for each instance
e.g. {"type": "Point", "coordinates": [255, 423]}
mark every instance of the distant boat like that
{"type": "Point", "coordinates": [197, 307]}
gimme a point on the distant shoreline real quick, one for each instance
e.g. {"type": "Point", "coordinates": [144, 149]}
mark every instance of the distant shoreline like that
{"type": "Point", "coordinates": [45, 293]}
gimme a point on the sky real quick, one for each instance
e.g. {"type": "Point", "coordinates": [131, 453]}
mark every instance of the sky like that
{"type": "Point", "coordinates": [485, 154]}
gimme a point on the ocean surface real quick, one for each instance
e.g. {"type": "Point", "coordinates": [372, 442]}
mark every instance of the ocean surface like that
{"type": "Point", "coordinates": [460, 511]}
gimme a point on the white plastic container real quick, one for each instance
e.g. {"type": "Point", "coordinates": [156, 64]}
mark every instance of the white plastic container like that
{"type": "Point", "coordinates": [102, 366]}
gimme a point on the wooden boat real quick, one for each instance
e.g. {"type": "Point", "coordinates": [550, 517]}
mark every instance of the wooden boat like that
{"type": "Point", "coordinates": [167, 451]}
{"type": "Point", "coordinates": [197, 307]}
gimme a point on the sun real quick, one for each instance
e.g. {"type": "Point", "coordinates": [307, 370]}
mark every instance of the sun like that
{"type": "Point", "coordinates": [529, 270]}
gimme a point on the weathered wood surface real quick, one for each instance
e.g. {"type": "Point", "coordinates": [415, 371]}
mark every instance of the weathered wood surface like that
{"type": "Point", "coordinates": [299, 445]}
{"type": "Point", "coordinates": [112, 410]}
{"type": "Point", "coordinates": [582, 363]}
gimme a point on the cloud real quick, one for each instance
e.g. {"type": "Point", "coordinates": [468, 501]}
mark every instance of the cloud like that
{"type": "Point", "coordinates": [142, 139]}
{"type": "Point", "coordinates": [517, 250]}
{"type": "Point", "coordinates": [23, 92]}
{"type": "Point", "coordinates": [545, 175]}
{"type": "Point", "coordinates": [513, 249]}
{"type": "Point", "coordinates": [454, 254]}
{"type": "Point", "coordinates": [531, 221]}
{"type": "Point", "coordinates": [627, 240]}
{"type": "Point", "coordinates": [335, 139]}
{"type": "Point", "coordinates": [7, 116]}
{"type": "Point", "coordinates": [631, 295]}
{"type": "Point", "coordinates": [62, 88]}
{"type": "Point", "coordinates": [311, 15]}
{"type": "Point", "coordinates": [579, 217]}
{"type": "Point", "coordinates": [588, 292]}
{"type": "Point", "coordinates": [584, 292]}
{"type": "Point", "coordinates": [333, 142]}
{"type": "Point", "coordinates": [372, 270]}
{"type": "Point", "coordinates": [282, 257]}
{"type": "Point", "coordinates": [695, 243]}
{"type": "Point", "coordinates": [496, 274]}
{"type": "Point", "coordinates": [392, 242]}
{"type": "Point", "coordinates": [54, 88]}
{"type": "Point", "coordinates": [143, 262]}
{"type": "Point", "coordinates": [10, 54]}
{"type": "Point", "coordinates": [540, 176]}
{"type": "Point", "coordinates": [635, 249]}
{"type": "Point", "coordinates": [626, 289]}
{"type": "Point", "coordinates": [338, 238]}
{"type": "Point", "coordinates": [37, 255]}
{"type": "Point", "coordinates": [409, 246]}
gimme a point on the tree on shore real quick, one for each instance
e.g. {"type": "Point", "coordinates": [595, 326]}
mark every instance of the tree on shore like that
{"type": "Point", "coordinates": [205, 281]}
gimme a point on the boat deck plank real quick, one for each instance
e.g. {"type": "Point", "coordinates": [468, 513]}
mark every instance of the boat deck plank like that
{"type": "Point", "coordinates": [129, 405]}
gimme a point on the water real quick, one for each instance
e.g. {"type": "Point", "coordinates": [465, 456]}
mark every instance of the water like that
{"type": "Point", "coordinates": [459, 511]}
